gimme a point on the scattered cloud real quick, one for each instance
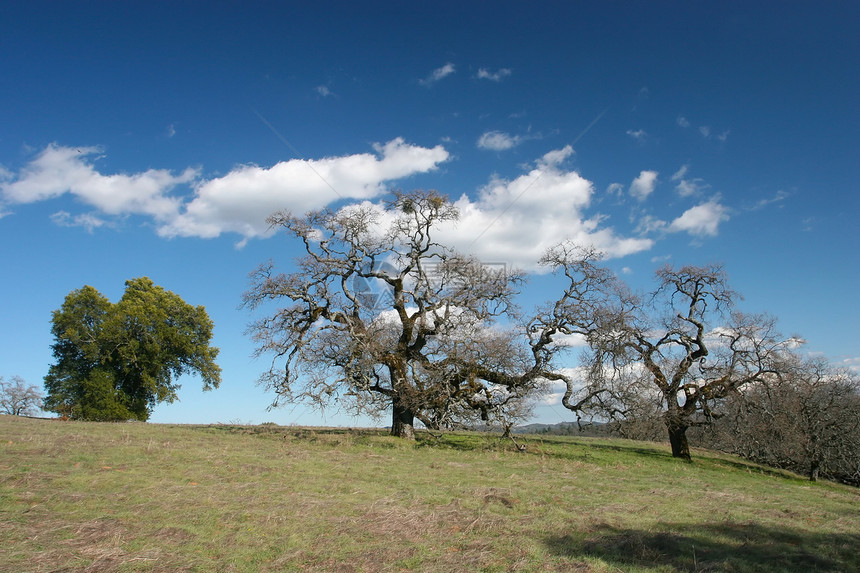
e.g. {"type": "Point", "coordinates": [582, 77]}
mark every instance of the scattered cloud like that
{"type": "Point", "coordinates": [86, 220]}
{"type": "Point", "coordinates": [705, 131]}
{"type": "Point", "coordinates": [324, 91]}
{"type": "Point", "coordinates": [779, 197]}
{"type": "Point", "coordinates": [701, 220]}
{"type": "Point", "coordinates": [58, 170]}
{"type": "Point", "coordinates": [683, 121]}
{"type": "Point", "coordinates": [515, 221]}
{"type": "Point", "coordinates": [688, 187]}
{"type": "Point", "coordinates": [498, 141]}
{"type": "Point", "coordinates": [679, 174]}
{"type": "Point", "coordinates": [639, 135]}
{"type": "Point", "coordinates": [649, 224]}
{"type": "Point", "coordinates": [853, 363]}
{"type": "Point", "coordinates": [724, 135]}
{"type": "Point", "coordinates": [615, 189]}
{"type": "Point", "coordinates": [237, 202]}
{"type": "Point", "coordinates": [497, 76]}
{"type": "Point", "coordinates": [508, 220]}
{"type": "Point", "coordinates": [240, 201]}
{"type": "Point", "coordinates": [171, 131]}
{"type": "Point", "coordinates": [643, 185]}
{"type": "Point", "coordinates": [438, 74]}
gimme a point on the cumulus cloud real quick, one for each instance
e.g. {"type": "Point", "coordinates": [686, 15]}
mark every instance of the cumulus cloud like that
{"type": "Point", "coordinates": [241, 200]}
{"type": "Point", "coordinates": [643, 185]}
{"type": "Point", "coordinates": [237, 202]}
{"type": "Point", "coordinates": [701, 220]}
{"type": "Point", "coordinates": [498, 141]}
{"type": "Point", "coordinates": [683, 121]}
{"type": "Point", "coordinates": [438, 74]}
{"type": "Point", "coordinates": [515, 221]}
{"type": "Point", "coordinates": [511, 221]}
{"type": "Point", "coordinates": [497, 76]}
{"type": "Point", "coordinates": [59, 170]}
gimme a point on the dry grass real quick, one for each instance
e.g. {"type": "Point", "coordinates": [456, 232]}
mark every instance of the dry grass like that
{"type": "Point", "coordinates": [139, 497]}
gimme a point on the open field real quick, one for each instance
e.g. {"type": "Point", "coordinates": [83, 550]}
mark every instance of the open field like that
{"type": "Point", "coordinates": [139, 497]}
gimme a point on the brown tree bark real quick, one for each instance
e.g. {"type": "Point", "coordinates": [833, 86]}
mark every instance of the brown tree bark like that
{"type": "Point", "coordinates": [402, 421]}
{"type": "Point", "coordinates": [678, 436]}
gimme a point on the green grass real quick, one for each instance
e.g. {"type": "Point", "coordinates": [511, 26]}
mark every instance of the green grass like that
{"type": "Point", "coordinates": [140, 497]}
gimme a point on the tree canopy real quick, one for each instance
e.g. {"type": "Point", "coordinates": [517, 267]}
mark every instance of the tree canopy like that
{"type": "Point", "coordinates": [117, 361]}
{"type": "Point", "coordinates": [17, 398]}
{"type": "Point", "coordinates": [379, 315]}
{"type": "Point", "coordinates": [678, 352]}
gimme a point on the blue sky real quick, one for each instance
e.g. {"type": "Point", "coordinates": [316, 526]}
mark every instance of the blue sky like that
{"type": "Point", "coordinates": [152, 139]}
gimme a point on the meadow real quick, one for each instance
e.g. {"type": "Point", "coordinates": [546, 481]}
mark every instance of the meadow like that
{"type": "Point", "coordinates": [79, 496]}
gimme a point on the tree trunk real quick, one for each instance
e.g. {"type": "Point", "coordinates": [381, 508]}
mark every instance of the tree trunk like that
{"type": "Point", "coordinates": [814, 470]}
{"type": "Point", "coordinates": [402, 421]}
{"type": "Point", "coordinates": [677, 436]}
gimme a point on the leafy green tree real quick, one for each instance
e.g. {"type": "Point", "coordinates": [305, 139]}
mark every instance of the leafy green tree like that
{"type": "Point", "coordinates": [117, 361]}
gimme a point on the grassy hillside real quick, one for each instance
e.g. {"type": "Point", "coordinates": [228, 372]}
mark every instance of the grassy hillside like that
{"type": "Point", "coordinates": [140, 497]}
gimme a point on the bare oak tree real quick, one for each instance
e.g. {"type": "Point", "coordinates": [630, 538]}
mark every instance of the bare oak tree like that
{"type": "Point", "coordinates": [806, 420]}
{"type": "Point", "coordinates": [18, 398]}
{"type": "Point", "coordinates": [379, 315]}
{"type": "Point", "coordinates": [678, 351]}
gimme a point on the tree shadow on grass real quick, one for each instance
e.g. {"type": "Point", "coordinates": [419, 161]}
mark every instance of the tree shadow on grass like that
{"type": "Point", "coordinates": [714, 547]}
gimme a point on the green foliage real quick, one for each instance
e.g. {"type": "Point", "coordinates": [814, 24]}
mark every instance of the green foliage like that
{"type": "Point", "coordinates": [117, 361]}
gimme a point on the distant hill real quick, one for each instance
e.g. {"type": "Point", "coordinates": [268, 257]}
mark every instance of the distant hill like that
{"type": "Point", "coordinates": [565, 429]}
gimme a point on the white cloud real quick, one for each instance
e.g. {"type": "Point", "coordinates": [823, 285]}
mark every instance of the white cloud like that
{"type": "Point", "coordinates": [688, 187]}
{"type": "Point", "coordinates": [238, 202]}
{"type": "Point", "coordinates": [497, 76]}
{"type": "Point", "coordinates": [59, 170]}
{"type": "Point", "coordinates": [779, 197]}
{"type": "Point", "coordinates": [724, 135]}
{"type": "Point", "coordinates": [241, 200]}
{"type": "Point", "coordinates": [515, 221]}
{"type": "Point", "coordinates": [324, 91]}
{"type": "Point", "coordinates": [498, 141]}
{"type": "Point", "coordinates": [701, 220]}
{"type": "Point", "coordinates": [638, 135]}
{"type": "Point", "coordinates": [615, 189]}
{"type": "Point", "coordinates": [438, 74]}
{"type": "Point", "coordinates": [853, 363]}
{"type": "Point", "coordinates": [705, 131]}
{"type": "Point", "coordinates": [643, 185]}
{"type": "Point", "coordinates": [650, 224]}
{"type": "Point", "coordinates": [511, 221]}
{"type": "Point", "coordinates": [86, 220]}
{"type": "Point", "coordinates": [683, 121]}
{"type": "Point", "coordinates": [171, 131]}
{"type": "Point", "coordinates": [679, 174]}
